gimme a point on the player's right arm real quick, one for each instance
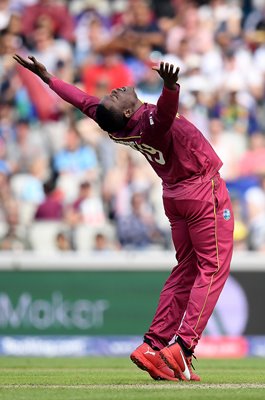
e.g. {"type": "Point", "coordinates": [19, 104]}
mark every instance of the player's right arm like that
{"type": "Point", "coordinates": [70, 93]}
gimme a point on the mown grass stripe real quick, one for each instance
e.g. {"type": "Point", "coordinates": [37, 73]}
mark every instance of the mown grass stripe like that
{"type": "Point", "coordinates": [158, 386]}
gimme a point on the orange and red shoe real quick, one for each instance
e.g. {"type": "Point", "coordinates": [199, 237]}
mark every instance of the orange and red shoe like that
{"type": "Point", "coordinates": [181, 364]}
{"type": "Point", "coordinates": [149, 360]}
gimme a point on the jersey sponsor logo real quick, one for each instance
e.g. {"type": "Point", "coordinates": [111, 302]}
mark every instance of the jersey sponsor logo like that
{"type": "Point", "coordinates": [226, 214]}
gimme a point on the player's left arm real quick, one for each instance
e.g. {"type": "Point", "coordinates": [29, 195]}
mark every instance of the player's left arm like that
{"type": "Point", "coordinates": [167, 105]}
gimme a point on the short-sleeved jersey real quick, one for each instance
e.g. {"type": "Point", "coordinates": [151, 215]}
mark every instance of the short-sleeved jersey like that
{"type": "Point", "coordinates": [174, 147]}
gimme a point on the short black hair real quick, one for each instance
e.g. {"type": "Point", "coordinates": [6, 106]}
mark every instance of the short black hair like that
{"type": "Point", "coordinates": [109, 119]}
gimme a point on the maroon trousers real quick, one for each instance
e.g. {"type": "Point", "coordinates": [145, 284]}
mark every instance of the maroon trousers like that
{"type": "Point", "coordinates": [202, 231]}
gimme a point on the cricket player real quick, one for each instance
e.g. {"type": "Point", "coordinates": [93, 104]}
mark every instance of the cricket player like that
{"type": "Point", "coordinates": [196, 202]}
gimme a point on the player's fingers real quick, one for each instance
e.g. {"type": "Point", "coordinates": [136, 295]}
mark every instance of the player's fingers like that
{"type": "Point", "coordinates": [171, 69]}
{"type": "Point", "coordinates": [19, 57]}
{"type": "Point", "coordinates": [176, 72]}
{"type": "Point", "coordinates": [33, 59]}
{"type": "Point", "coordinates": [20, 60]}
{"type": "Point", "coordinates": [166, 68]}
{"type": "Point", "coordinates": [161, 67]}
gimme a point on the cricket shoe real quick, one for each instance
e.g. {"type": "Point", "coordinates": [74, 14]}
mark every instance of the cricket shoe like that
{"type": "Point", "coordinates": [149, 360]}
{"type": "Point", "coordinates": [181, 364]}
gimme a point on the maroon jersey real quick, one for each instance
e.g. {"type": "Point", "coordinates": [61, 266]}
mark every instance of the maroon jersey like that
{"type": "Point", "coordinates": [174, 147]}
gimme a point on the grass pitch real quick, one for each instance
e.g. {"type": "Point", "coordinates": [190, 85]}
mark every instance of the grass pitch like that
{"type": "Point", "coordinates": [107, 378]}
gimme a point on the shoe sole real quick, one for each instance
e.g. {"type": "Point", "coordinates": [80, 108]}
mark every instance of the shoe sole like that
{"type": "Point", "coordinates": [195, 378]}
{"type": "Point", "coordinates": [144, 364]}
{"type": "Point", "coordinates": [168, 358]}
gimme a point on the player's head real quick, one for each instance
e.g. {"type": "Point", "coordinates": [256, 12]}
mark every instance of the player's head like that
{"type": "Point", "coordinates": [115, 109]}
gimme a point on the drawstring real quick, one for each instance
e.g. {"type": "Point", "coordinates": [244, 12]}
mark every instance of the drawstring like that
{"type": "Point", "coordinates": [190, 361]}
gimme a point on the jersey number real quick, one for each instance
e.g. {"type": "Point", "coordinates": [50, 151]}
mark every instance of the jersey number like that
{"type": "Point", "coordinates": [150, 153]}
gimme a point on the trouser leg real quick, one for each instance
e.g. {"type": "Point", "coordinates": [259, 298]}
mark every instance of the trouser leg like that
{"type": "Point", "coordinates": [203, 240]}
{"type": "Point", "coordinates": [212, 238]}
{"type": "Point", "coordinates": [176, 291]}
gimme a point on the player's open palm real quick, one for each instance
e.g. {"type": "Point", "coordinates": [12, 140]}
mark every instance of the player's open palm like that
{"type": "Point", "coordinates": [34, 66]}
{"type": "Point", "coordinates": [169, 74]}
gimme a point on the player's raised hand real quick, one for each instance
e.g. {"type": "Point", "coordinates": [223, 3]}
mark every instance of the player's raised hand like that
{"type": "Point", "coordinates": [34, 66]}
{"type": "Point", "coordinates": [169, 74]}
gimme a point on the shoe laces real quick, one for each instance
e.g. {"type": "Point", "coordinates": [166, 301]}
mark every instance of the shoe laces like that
{"type": "Point", "coordinates": [189, 360]}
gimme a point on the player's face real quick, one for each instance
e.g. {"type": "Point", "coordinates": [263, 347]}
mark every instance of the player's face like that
{"type": "Point", "coordinates": [120, 99]}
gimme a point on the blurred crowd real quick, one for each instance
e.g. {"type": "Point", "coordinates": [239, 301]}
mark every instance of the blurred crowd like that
{"type": "Point", "coordinates": [64, 184]}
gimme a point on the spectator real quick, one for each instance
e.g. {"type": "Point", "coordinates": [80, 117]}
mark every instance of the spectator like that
{"type": "Point", "coordinates": [6, 165]}
{"type": "Point", "coordinates": [253, 160]}
{"type": "Point", "coordinates": [55, 12]}
{"type": "Point", "coordinates": [26, 141]}
{"type": "Point", "coordinates": [5, 14]}
{"type": "Point", "coordinates": [229, 145]}
{"type": "Point", "coordinates": [29, 187]}
{"type": "Point", "coordinates": [110, 72]}
{"type": "Point", "coordinates": [137, 24]}
{"type": "Point", "coordinates": [47, 47]}
{"type": "Point", "coordinates": [255, 210]}
{"type": "Point", "coordinates": [241, 230]}
{"type": "Point", "coordinates": [149, 87]}
{"type": "Point", "coordinates": [91, 35]}
{"type": "Point", "coordinates": [90, 206]}
{"type": "Point", "coordinates": [51, 209]}
{"type": "Point", "coordinates": [16, 237]}
{"type": "Point", "coordinates": [75, 158]}
{"type": "Point", "coordinates": [103, 244]}
{"type": "Point", "coordinates": [138, 229]}
{"type": "Point", "coordinates": [63, 241]}
{"type": "Point", "coordinates": [5, 193]}
{"type": "Point", "coordinates": [130, 174]}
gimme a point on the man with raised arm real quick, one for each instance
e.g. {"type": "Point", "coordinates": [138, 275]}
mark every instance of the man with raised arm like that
{"type": "Point", "coordinates": [196, 203]}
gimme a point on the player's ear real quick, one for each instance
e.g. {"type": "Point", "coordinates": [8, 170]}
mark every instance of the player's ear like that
{"type": "Point", "coordinates": [128, 112]}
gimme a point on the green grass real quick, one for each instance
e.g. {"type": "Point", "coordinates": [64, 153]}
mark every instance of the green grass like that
{"type": "Point", "coordinates": [117, 378]}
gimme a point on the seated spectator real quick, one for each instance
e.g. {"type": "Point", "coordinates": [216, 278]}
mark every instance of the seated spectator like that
{"type": "Point", "coordinates": [230, 147]}
{"type": "Point", "coordinates": [6, 165]}
{"type": "Point", "coordinates": [138, 23]}
{"type": "Point", "coordinates": [241, 230]}
{"type": "Point", "coordinates": [75, 158]}
{"type": "Point", "coordinates": [25, 142]}
{"type": "Point", "coordinates": [47, 48]}
{"type": "Point", "coordinates": [91, 34]}
{"type": "Point", "coordinates": [56, 12]}
{"type": "Point", "coordinates": [63, 241]}
{"type": "Point", "coordinates": [102, 243]}
{"type": "Point", "coordinates": [5, 192]}
{"type": "Point", "coordinates": [149, 87]}
{"type": "Point", "coordinates": [29, 187]}
{"type": "Point", "coordinates": [255, 208]}
{"type": "Point", "coordinates": [257, 235]}
{"type": "Point", "coordinates": [252, 161]}
{"type": "Point", "coordinates": [256, 89]}
{"type": "Point", "coordinates": [108, 73]}
{"type": "Point", "coordinates": [5, 14]}
{"type": "Point", "coordinates": [52, 207]}
{"type": "Point", "coordinates": [15, 238]}
{"type": "Point", "coordinates": [138, 229]}
{"type": "Point", "coordinates": [89, 205]}
{"type": "Point", "coordinates": [129, 174]}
